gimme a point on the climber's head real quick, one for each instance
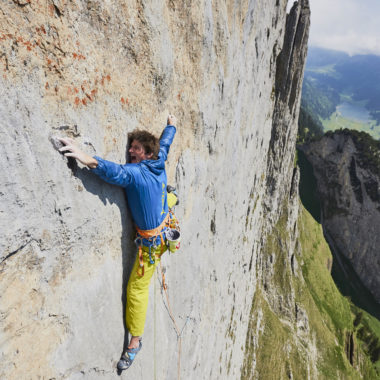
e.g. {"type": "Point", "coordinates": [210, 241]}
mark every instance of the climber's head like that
{"type": "Point", "coordinates": [142, 146]}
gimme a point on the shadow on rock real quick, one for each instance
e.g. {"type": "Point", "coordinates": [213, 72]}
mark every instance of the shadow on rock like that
{"type": "Point", "coordinates": [113, 195]}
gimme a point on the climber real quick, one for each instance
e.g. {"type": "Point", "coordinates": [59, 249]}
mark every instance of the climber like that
{"type": "Point", "coordinates": [145, 183]}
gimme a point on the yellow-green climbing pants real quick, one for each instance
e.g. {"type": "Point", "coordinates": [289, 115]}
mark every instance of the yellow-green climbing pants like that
{"type": "Point", "coordinates": [138, 291]}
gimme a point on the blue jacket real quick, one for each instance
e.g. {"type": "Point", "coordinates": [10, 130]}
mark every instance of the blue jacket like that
{"type": "Point", "coordinates": [144, 183]}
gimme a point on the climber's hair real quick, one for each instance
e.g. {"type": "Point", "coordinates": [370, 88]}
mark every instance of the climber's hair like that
{"type": "Point", "coordinates": [150, 142]}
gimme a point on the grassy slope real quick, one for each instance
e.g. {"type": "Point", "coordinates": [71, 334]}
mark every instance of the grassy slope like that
{"type": "Point", "coordinates": [278, 352]}
{"type": "Point", "coordinates": [372, 327]}
{"type": "Point", "coordinates": [333, 317]}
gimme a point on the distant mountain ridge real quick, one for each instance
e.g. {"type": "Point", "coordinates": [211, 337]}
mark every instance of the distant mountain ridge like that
{"type": "Point", "coordinates": [318, 56]}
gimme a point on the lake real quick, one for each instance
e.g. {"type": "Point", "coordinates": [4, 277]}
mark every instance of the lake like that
{"type": "Point", "coordinates": [352, 116]}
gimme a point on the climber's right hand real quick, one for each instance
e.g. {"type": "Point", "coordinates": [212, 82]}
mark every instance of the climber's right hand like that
{"type": "Point", "coordinates": [172, 120]}
{"type": "Point", "coordinates": [73, 151]}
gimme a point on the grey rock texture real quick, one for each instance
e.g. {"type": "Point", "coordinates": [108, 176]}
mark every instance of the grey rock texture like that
{"type": "Point", "coordinates": [95, 70]}
{"type": "Point", "coordinates": [349, 190]}
{"type": "Point", "coordinates": [289, 75]}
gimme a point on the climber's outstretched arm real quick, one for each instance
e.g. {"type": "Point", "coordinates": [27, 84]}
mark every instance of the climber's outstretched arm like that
{"type": "Point", "coordinates": [73, 151]}
{"type": "Point", "coordinates": [110, 172]}
{"type": "Point", "coordinates": [167, 137]}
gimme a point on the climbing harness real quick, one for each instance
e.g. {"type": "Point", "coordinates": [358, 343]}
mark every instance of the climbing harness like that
{"type": "Point", "coordinates": [151, 236]}
{"type": "Point", "coordinates": [146, 239]}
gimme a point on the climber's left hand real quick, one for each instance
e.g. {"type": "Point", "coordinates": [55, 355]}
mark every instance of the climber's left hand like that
{"type": "Point", "coordinates": [73, 151]}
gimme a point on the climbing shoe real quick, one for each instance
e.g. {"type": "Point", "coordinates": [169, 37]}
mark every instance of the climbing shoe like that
{"type": "Point", "coordinates": [126, 359]}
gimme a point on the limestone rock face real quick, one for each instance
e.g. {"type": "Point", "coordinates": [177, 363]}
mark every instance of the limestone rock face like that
{"type": "Point", "coordinates": [349, 189]}
{"type": "Point", "coordinates": [95, 70]}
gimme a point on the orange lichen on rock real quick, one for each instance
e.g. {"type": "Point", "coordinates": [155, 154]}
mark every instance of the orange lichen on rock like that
{"type": "Point", "coordinates": [78, 56]}
{"type": "Point", "coordinates": [83, 88]}
{"type": "Point", "coordinates": [102, 80]}
{"type": "Point", "coordinates": [90, 98]}
{"type": "Point", "coordinates": [51, 10]}
{"type": "Point", "coordinates": [20, 41]}
{"type": "Point", "coordinates": [28, 45]}
{"type": "Point", "coordinates": [41, 29]}
{"type": "Point", "coordinates": [124, 101]}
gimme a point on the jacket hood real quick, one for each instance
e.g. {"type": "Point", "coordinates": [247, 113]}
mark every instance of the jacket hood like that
{"type": "Point", "coordinates": [155, 166]}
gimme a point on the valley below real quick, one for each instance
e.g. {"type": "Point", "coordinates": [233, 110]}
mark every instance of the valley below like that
{"type": "Point", "coordinates": [352, 115]}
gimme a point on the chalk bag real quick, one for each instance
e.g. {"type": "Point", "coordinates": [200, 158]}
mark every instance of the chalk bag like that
{"type": "Point", "coordinates": [173, 238]}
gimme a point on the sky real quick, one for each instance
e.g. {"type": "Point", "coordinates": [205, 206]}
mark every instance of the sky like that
{"type": "Point", "coordinates": [345, 25]}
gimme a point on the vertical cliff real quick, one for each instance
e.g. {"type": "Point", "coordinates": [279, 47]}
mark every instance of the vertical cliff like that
{"type": "Point", "coordinates": [231, 72]}
{"type": "Point", "coordinates": [347, 169]}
